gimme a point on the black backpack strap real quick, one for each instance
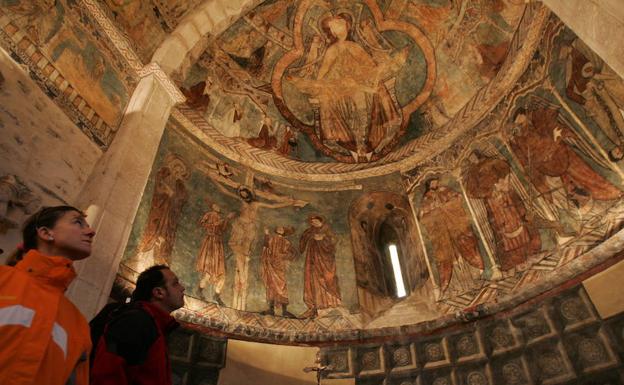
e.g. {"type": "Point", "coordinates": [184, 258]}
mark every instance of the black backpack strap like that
{"type": "Point", "coordinates": [130, 334]}
{"type": "Point", "coordinates": [98, 325]}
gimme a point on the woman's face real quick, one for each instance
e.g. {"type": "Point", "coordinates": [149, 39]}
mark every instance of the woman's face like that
{"type": "Point", "coordinates": [72, 236]}
{"type": "Point", "coordinates": [338, 27]}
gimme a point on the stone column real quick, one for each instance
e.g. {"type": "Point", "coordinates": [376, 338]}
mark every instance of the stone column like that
{"type": "Point", "coordinates": [113, 191]}
{"type": "Point", "coordinates": [599, 23]}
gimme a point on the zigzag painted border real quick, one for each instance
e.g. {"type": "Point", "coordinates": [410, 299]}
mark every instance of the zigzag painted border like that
{"type": "Point", "coordinates": [525, 41]}
{"type": "Point", "coordinates": [120, 42]}
{"type": "Point", "coordinates": [48, 77]}
{"type": "Point", "coordinates": [574, 258]}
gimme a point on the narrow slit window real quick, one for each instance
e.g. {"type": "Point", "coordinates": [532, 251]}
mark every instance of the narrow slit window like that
{"type": "Point", "coordinates": [396, 268]}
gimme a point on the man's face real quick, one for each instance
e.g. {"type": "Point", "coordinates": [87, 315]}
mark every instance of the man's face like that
{"type": "Point", "coordinates": [174, 291]}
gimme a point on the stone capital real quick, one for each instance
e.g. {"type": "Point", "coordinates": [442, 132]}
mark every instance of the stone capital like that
{"type": "Point", "coordinates": [165, 81]}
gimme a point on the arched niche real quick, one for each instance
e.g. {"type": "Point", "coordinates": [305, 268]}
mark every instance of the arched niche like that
{"type": "Point", "coordinates": [378, 219]}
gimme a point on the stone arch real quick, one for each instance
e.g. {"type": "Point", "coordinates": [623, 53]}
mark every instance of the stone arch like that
{"type": "Point", "coordinates": [209, 18]}
{"type": "Point", "coordinates": [368, 216]}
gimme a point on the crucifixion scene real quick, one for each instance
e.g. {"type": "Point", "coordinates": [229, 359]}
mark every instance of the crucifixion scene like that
{"type": "Point", "coordinates": [363, 192]}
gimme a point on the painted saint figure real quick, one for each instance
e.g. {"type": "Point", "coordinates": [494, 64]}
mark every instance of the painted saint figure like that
{"type": "Point", "coordinates": [541, 145]}
{"type": "Point", "coordinates": [277, 252]}
{"type": "Point", "coordinates": [168, 198]}
{"type": "Point", "coordinates": [489, 179]}
{"type": "Point", "coordinates": [211, 259]}
{"type": "Point", "coordinates": [321, 288]}
{"type": "Point", "coordinates": [592, 84]}
{"type": "Point", "coordinates": [357, 111]}
{"type": "Point", "coordinates": [454, 244]}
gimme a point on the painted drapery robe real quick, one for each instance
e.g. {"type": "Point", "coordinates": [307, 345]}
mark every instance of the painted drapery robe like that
{"type": "Point", "coordinates": [169, 197]}
{"type": "Point", "coordinates": [454, 244]}
{"type": "Point", "coordinates": [357, 111]}
{"type": "Point", "coordinates": [321, 288]}
{"type": "Point", "coordinates": [276, 254]}
{"type": "Point", "coordinates": [211, 258]}
{"type": "Point", "coordinates": [544, 153]}
{"type": "Point", "coordinates": [594, 85]}
{"type": "Point", "coordinates": [355, 107]}
{"type": "Point", "coordinates": [515, 239]}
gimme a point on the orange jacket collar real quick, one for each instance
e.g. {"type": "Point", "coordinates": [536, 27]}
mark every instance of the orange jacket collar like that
{"type": "Point", "coordinates": [57, 272]}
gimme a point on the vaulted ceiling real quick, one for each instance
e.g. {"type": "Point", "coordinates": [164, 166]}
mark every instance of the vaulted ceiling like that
{"type": "Point", "coordinates": [483, 133]}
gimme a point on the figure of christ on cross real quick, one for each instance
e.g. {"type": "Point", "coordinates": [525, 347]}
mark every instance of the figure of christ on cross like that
{"type": "Point", "coordinates": [319, 368]}
{"type": "Point", "coordinates": [244, 227]}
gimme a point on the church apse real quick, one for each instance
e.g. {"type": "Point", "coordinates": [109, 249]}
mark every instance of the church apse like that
{"type": "Point", "coordinates": [242, 241]}
{"type": "Point", "coordinates": [531, 188]}
{"type": "Point", "coordinates": [286, 248]}
{"type": "Point", "coordinates": [482, 138]}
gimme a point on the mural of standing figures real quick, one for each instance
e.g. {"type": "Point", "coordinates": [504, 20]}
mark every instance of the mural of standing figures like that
{"type": "Point", "coordinates": [169, 197]}
{"type": "Point", "coordinates": [211, 258]}
{"type": "Point", "coordinates": [277, 252]}
{"type": "Point", "coordinates": [542, 145]}
{"type": "Point", "coordinates": [488, 179]}
{"type": "Point", "coordinates": [454, 244]}
{"type": "Point", "coordinates": [244, 230]}
{"type": "Point", "coordinates": [320, 289]}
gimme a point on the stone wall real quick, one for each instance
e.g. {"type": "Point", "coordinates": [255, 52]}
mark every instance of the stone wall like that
{"type": "Point", "coordinates": [195, 358]}
{"type": "Point", "coordinates": [44, 158]}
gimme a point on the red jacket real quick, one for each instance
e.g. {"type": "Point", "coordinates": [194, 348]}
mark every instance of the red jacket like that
{"type": "Point", "coordinates": [43, 337]}
{"type": "Point", "coordinates": [133, 349]}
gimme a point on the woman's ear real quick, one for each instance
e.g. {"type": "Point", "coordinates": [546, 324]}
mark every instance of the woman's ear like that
{"type": "Point", "coordinates": [45, 234]}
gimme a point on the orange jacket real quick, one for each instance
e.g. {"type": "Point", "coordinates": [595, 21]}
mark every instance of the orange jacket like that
{"type": "Point", "coordinates": [44, 340]}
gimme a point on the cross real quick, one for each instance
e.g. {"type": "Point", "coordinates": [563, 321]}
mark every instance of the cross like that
{"type": "Point", "coordinates": [318, 368]}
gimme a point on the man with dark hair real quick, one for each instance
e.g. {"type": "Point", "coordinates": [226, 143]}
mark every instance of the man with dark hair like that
{"type": "Point", "coordinates": [133, 347]}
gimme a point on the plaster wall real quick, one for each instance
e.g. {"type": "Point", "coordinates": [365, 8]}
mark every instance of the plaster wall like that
{"type": "Point", "coordinates": [605, 290]}
{"type": "Point", "coordinates": [39, 146]}
{"type": "Point", "coordinates": [266, 364]}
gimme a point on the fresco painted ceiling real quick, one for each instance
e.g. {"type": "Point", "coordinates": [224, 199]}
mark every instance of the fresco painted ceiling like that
{"type": "Point", "coordinates": [147, 23]}
{"type": "Point", "coordinates": [483, 134]}
{"type": "Point", "coordinates": [349, 82]}
{"type": "Point", "coordinates": [505, 130]}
